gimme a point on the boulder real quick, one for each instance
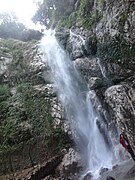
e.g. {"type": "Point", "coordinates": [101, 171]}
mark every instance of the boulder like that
{"type": "Point", "coordinates": [110, 178]}
{"type": "Point", "coordinates": [88, 176]}
{"type": "Point", "coordinates": [120, 101]}
{"type": "Point", "coordinates": [70, 166]}
{"type": "Point", "coordinates": [103, 170]}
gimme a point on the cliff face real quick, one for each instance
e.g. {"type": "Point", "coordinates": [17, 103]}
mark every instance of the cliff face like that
{"type": "Point", "coordinates": [104, 53]}
{"type": "Point", "coordinates": [102, 49]}
{"type": "Point", "coordinates": [30, 113]}
{"type": "Point", "coordinates": [115, 34]}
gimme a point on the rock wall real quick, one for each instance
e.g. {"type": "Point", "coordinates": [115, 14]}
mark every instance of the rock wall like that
{"type": "Point", "coordinates": [33, 126]}
{"type": "Point", "coordinates": [104, 55]}
{"type": "Point", "coordinates": [119, 98]}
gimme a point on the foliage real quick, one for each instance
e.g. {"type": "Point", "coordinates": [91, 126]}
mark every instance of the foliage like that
{"type": "Point", "coordinates": [122, 20]}
{"type": "Point", "coordinates": [62, 13]}
{"type": "Point", "coordinates": [91, 45]}
{"type": "Point", "coordinates": [116, 50]}
{"type": "Point", "coordinates": [4, 92]}
{"type": "Point", "coordinates": [85, 8]}
{"type": "Point", "coordinates": [27, 116]}
{"type": "Point", "coordinates": [18, 69]}
{"type": "Point", "coordinates": [30, 34]}
{"type": "Point", "coordinates": [88, 15]}
{"type": "Point", "coordinates": [65, 14]}
{"type": "Point", "coordinates": [51, 11]}
{"type": "Point", "coordinates": [27, 127]}
{"type": "Point", "coordinates": [14, 47]}
{"type": "Point", "coordinates": [10, 27]}
{"type": "Point", "coordinates": [68, 21]}
{"type": "Point", "coordinates": [102, 4]}
{"type": "Point", "coordinates": [4, 95]}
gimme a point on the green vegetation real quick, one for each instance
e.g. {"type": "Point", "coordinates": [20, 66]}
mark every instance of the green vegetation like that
{"type": "Point", "coordinates": [116, 50]}
{"type": "Point", "coordinates": [91, 45]}
{"type": "Point", "coordinates": [88, 15]}
{"type": "Point", "coordinates": [10, 27]}
{"type": "Point", "coordinates": [4, 92]}
{"type": "Point", "coordinates": [62, 13]}
{"type": "Point", "coordinates": [68, 21]}
{"type": "Point", "coordinates": [14, 47]}
{"type": "Point", "coordinates": [4, 95]}
{"type": "Point", "coordinates": [122, 20]}
{"type": "Point", "coordinates": [51, 11]}
{"type": "Point", "coordinates": [26, 118]}
{"type": "Point", "coordinates": [85, 13]}
{"type": "Point", "coordinates": [101, 4]}
{"type": "Point", "coordinates": [26, 106]}
{"type": "Point", "coordinates": [18, 69]}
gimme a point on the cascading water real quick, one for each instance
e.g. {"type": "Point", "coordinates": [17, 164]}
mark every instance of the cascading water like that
{"type": "Point", "coordinates": [74, 96]}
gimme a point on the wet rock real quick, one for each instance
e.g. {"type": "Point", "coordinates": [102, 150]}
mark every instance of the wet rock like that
{"type": "Point", "coordinates": [120, 101]}
{"type": "Point", "coordinates": [115, 167]}
{"type": "Point", "coordinates": [70, 157]}
{"type": "Point", "coordinates": [115, 21]}
{"type": "Point", "coordinates": [47, 169]}
{"type": "Point", "coordinates": [46, 90]}
{"type": "Point", "coordinates": [131, 172]}
{"type": "Point", "coordinates": [62, 38]}
{"type": "Point", "coordinates": [88, 176]}
{"type": "Point", "coordinates": [88, 67]}
{"type": "Point", "coordinates": [70, 166]}
{"type": "Point", "coordinates": [103, 170]}
{"type": "Point", "coordinates": [95, 82]}
{"type": "Point", "coordinates": [110, 178]}
{"type": "Point", "coordinates": [5, 60]}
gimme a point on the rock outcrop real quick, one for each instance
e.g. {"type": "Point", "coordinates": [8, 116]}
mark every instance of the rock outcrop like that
{"type": "Point", "coordinates": [32, 118]}
{"type": "Point", "coordinates": [104, 55]}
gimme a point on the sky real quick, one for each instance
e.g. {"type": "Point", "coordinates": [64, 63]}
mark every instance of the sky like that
{"type": "Point", "coordinates": [24, 10]}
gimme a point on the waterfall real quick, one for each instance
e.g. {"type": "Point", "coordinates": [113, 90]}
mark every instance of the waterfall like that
{"type": "Point", "coordinates": [74, 95]}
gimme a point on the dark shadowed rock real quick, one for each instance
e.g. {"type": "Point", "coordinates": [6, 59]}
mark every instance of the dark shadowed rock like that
{"type": "Point", "coordinates": [110, 178]}
{"type": "Point", "coordinates": [131, 172]}
{"type": "Point", "coordinates": [47, 169]}
{"type": "Point", "coordinates": [88, 176]}
{"type": "Point", "coordinates": [103, 170]}
{"type": "Point", "coordinates": [115, 167]}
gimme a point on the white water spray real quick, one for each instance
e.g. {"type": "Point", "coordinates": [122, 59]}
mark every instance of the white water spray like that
{"type": "Point", "coordinates": [74, 96]}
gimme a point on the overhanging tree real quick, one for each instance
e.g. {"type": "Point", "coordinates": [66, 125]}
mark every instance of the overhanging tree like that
{"type": "Point", "coordinates": [51, 11]}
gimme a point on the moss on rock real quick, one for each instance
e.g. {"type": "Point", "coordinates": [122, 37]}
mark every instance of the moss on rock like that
{"type": "Point", "coordinates": [118, 51]}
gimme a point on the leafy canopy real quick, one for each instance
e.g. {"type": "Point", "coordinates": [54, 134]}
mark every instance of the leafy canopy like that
{"type": "Point", "coordinates": [10, 27]}
{"type": "Point", "coordinates": [51, 11]}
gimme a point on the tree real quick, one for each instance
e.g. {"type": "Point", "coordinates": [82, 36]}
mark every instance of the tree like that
{"type": "Point", "coordinates": [51, 11]}
{"type": "Point", "coordinates": [10, 27]}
